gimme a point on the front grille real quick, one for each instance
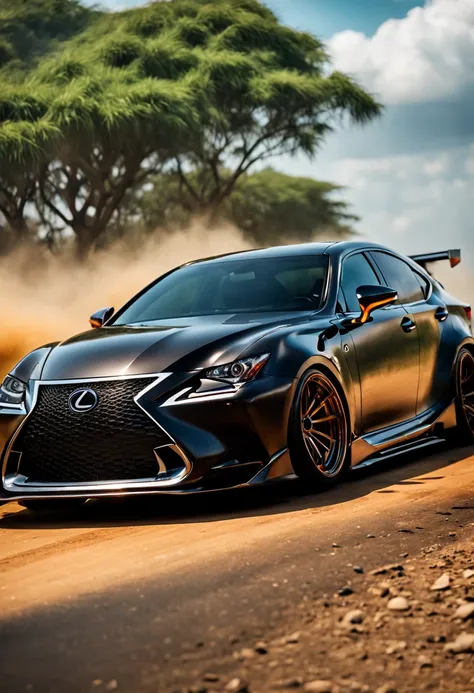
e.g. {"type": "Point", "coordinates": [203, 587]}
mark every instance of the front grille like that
{"type": "Point", "coordinates": [114, 441]}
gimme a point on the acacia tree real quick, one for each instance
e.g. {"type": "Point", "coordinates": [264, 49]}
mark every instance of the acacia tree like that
{"type": "Point", "coordinates": [113, 136]}
{"type": "Point", "coordinates": [204, 89]}
{"type": "Point", "coordinates": [268, 94]}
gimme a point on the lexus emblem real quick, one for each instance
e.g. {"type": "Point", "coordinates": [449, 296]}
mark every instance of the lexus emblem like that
{"type": "Point", "coordinates": [83, 400]}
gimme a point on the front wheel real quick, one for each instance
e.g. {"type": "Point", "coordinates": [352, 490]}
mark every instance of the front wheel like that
{"type": "Point", "coordinates": [61, 505]}
{"type": "Point", "coordinates": [465, 397]}
{"type": "Point", "coordinates": [318, 431]}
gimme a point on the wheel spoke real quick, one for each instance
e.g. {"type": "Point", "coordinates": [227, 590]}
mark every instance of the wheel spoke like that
{"type": "Point", "coordinates": [315, 447]}
{"type": "Point", "coordinates": [325, 435]}
{"type": "Point", "coordinates": [306, 403]}
{"type": "Point", "coordinates": [319, 406]}
{"type": "Point", "coordinates": [322, 456]}
{"type": "Point", "coordinates": [469, 407]}
{"type": "Point", "coordinates": [331, 417]}
{"type": "Point", "coordinates": [310, 402]}
{"type": "Point", "coordinates": [314, 436]}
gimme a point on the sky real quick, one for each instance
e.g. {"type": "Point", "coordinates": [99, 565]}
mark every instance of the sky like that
{"type": "Point", "coordinates": [410, 175]}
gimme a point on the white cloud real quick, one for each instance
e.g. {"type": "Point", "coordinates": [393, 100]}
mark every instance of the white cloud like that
{"type": "Point", "coordinates": [413, 203]}
{"type": "Point", "coordinates": [435, 167]}
{"type": "Point", "coordinates": [427, 55]}
{"type": "Point", "coordinates": [116, 5]}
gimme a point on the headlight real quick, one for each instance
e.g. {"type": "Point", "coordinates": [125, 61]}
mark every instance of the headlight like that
{"type": "Point", "coordinates": [12, 391]}
{"type": "Point", "coordinates": [239, 371]}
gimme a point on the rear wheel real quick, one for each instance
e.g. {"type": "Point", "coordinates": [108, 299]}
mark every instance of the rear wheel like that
{"type": "Point", "coordinates": [318, 431]}
{"type": "Point", "coordinates": [465, 396]}
{"type": "Point", "coordinates": [61, 505]}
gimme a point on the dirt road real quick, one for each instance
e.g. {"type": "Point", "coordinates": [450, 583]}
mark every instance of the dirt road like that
{"type": "Point", "coordinates": [177, 593]}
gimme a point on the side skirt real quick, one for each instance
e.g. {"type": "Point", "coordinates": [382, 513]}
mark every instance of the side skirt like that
{"type": "Point", "coordinates": [424, 430]}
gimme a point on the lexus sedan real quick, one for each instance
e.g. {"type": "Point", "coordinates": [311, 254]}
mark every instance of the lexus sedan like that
{"type": "Point", "coordinates": [238, 370]}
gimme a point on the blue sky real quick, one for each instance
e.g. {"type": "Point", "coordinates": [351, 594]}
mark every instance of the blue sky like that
{"type": "Point", "coordinates": [410, 176]}
{"type": "Point", "coordinates": [326, 17]}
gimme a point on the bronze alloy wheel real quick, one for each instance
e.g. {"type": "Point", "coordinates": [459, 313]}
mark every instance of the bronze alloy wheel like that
{"type": "Point", "coordinates": [323, 424]}
{"type": "Point", "coordinates": [466, 389]}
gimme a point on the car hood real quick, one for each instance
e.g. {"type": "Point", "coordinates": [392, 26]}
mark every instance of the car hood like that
{"type": "Point", "coordinates": [160, 346]}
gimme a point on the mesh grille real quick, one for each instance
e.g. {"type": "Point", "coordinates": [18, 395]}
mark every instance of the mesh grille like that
{"type": "Point", "coordinates": [114, 441]}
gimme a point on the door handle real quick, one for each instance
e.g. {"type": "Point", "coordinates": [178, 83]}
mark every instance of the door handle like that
{"type": "Point", "coordinates": [408, 325]}
{"type": "Point", "coordinates": [442, 314]}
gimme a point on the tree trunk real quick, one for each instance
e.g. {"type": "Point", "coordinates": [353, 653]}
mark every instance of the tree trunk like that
{"type": "Point", "coordinates": [84, 243]}
{"type": "Point", "coordinates": [19, 228]}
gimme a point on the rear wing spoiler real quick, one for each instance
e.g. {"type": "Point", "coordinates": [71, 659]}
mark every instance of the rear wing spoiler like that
{"type": "Point", "coordinates": [454, 257]}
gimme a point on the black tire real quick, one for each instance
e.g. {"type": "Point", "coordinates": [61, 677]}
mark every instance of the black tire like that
{"type": "Point", "coordinates": [319, 448]}
{"type": "Point", "coordinates": [464, 374]}
{"type": "Point", "coordinates": [61, 505]}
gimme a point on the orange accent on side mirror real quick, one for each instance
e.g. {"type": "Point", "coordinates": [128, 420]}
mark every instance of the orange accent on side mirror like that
{"type": "Point", "coordinates": [372, 297]}
{"type": "Point", "coordinates": [99, 318]}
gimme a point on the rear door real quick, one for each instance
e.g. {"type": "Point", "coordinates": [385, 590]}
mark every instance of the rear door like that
{"type": "Point", "coordinates": [387, 352]}
{"type": "Point", "coordinates": [432, 326]}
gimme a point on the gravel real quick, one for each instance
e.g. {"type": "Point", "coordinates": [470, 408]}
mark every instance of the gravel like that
{"type": "Point", "coordinates": [319, 687]}
{"type": "Point", "coordinates": [411, 631]}
{"type": "Point", "coordinates": [399, 604]}
{"type": "Point", "coordinates": [463, 643]}
{"type": "Point", "coordinates": [465, 611]}
{"type": "Point", "coordinates": [442, 583]}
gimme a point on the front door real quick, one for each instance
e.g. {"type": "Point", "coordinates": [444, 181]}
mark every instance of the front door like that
{"type": "Point", "coordinates": [387, 353]}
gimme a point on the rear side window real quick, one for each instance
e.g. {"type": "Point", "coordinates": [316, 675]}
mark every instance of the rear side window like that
{"type": "Point", "coordinates": [399, 276]}
{"type": "Point", "coordinates": [356, 272]}
{"type": "Point", "coordinates": [424, 283]}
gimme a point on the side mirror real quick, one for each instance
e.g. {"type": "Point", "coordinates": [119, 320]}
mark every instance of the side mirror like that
{"type": "Point", "coordinates": [100, 318]}
{"type": "Point", "coordinates": [372, 297]}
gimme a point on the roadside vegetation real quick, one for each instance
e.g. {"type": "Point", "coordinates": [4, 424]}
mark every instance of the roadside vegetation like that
{"type": "Point", "coordinates": [113, 123]}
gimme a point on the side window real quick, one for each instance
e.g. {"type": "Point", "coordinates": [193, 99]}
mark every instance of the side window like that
{"type": "Point", "coordinates": [424, 283]}
{"type": "Point", "coordinates": [356, 272]}
{"type": "Point", "coordinates": [399, 276]}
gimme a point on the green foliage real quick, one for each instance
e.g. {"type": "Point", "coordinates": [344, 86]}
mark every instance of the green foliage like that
{"type": "Point", "coordinates": [7, 52]}
{"type": "Point", "coordinates": [32, 27]}
{"type": "Point", "coordinates": [271, 208]}
{"type": "Point", "coordinates": [23, 144]}
{"type": "Point", "coordinates": [62, 70]}
{"type": "Point", "coordinates": [97, 102]}
{"type": "Point", "coordinates": [191, 32]}
{"type": "Point", "coordinates": [121, 51]}
{"type": "Point", "coordinates": [22, 104]}
{"type": "Point", "coordinates": [167, 58]}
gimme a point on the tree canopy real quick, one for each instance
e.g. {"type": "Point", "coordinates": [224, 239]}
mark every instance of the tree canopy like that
{"type": "Point", "coordinates": [96, 103]}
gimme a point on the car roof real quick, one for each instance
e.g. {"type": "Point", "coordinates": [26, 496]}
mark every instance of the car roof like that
{"type": "Point", "coordinates": [338, 248]}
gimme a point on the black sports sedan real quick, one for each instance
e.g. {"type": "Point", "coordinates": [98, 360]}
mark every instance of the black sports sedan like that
{"type": "Point", "coordinates": [236, 370]}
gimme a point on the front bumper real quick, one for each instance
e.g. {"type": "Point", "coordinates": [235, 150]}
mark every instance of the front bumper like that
{"type": "Point", "coordinates": [216, 438]}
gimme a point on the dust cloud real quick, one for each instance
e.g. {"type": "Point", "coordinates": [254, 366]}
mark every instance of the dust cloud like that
{"type": "Point", "coordinates": [46, 298]}
{"type": "Point", "coordinates": [458, 281]}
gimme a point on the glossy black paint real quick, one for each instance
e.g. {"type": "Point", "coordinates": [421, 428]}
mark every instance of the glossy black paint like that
{"type": "Point", "coordinates": [395, 371]}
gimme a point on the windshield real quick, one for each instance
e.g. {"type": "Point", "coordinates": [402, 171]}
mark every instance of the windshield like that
{"type": "Point", "coordinates": [240, 286]}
